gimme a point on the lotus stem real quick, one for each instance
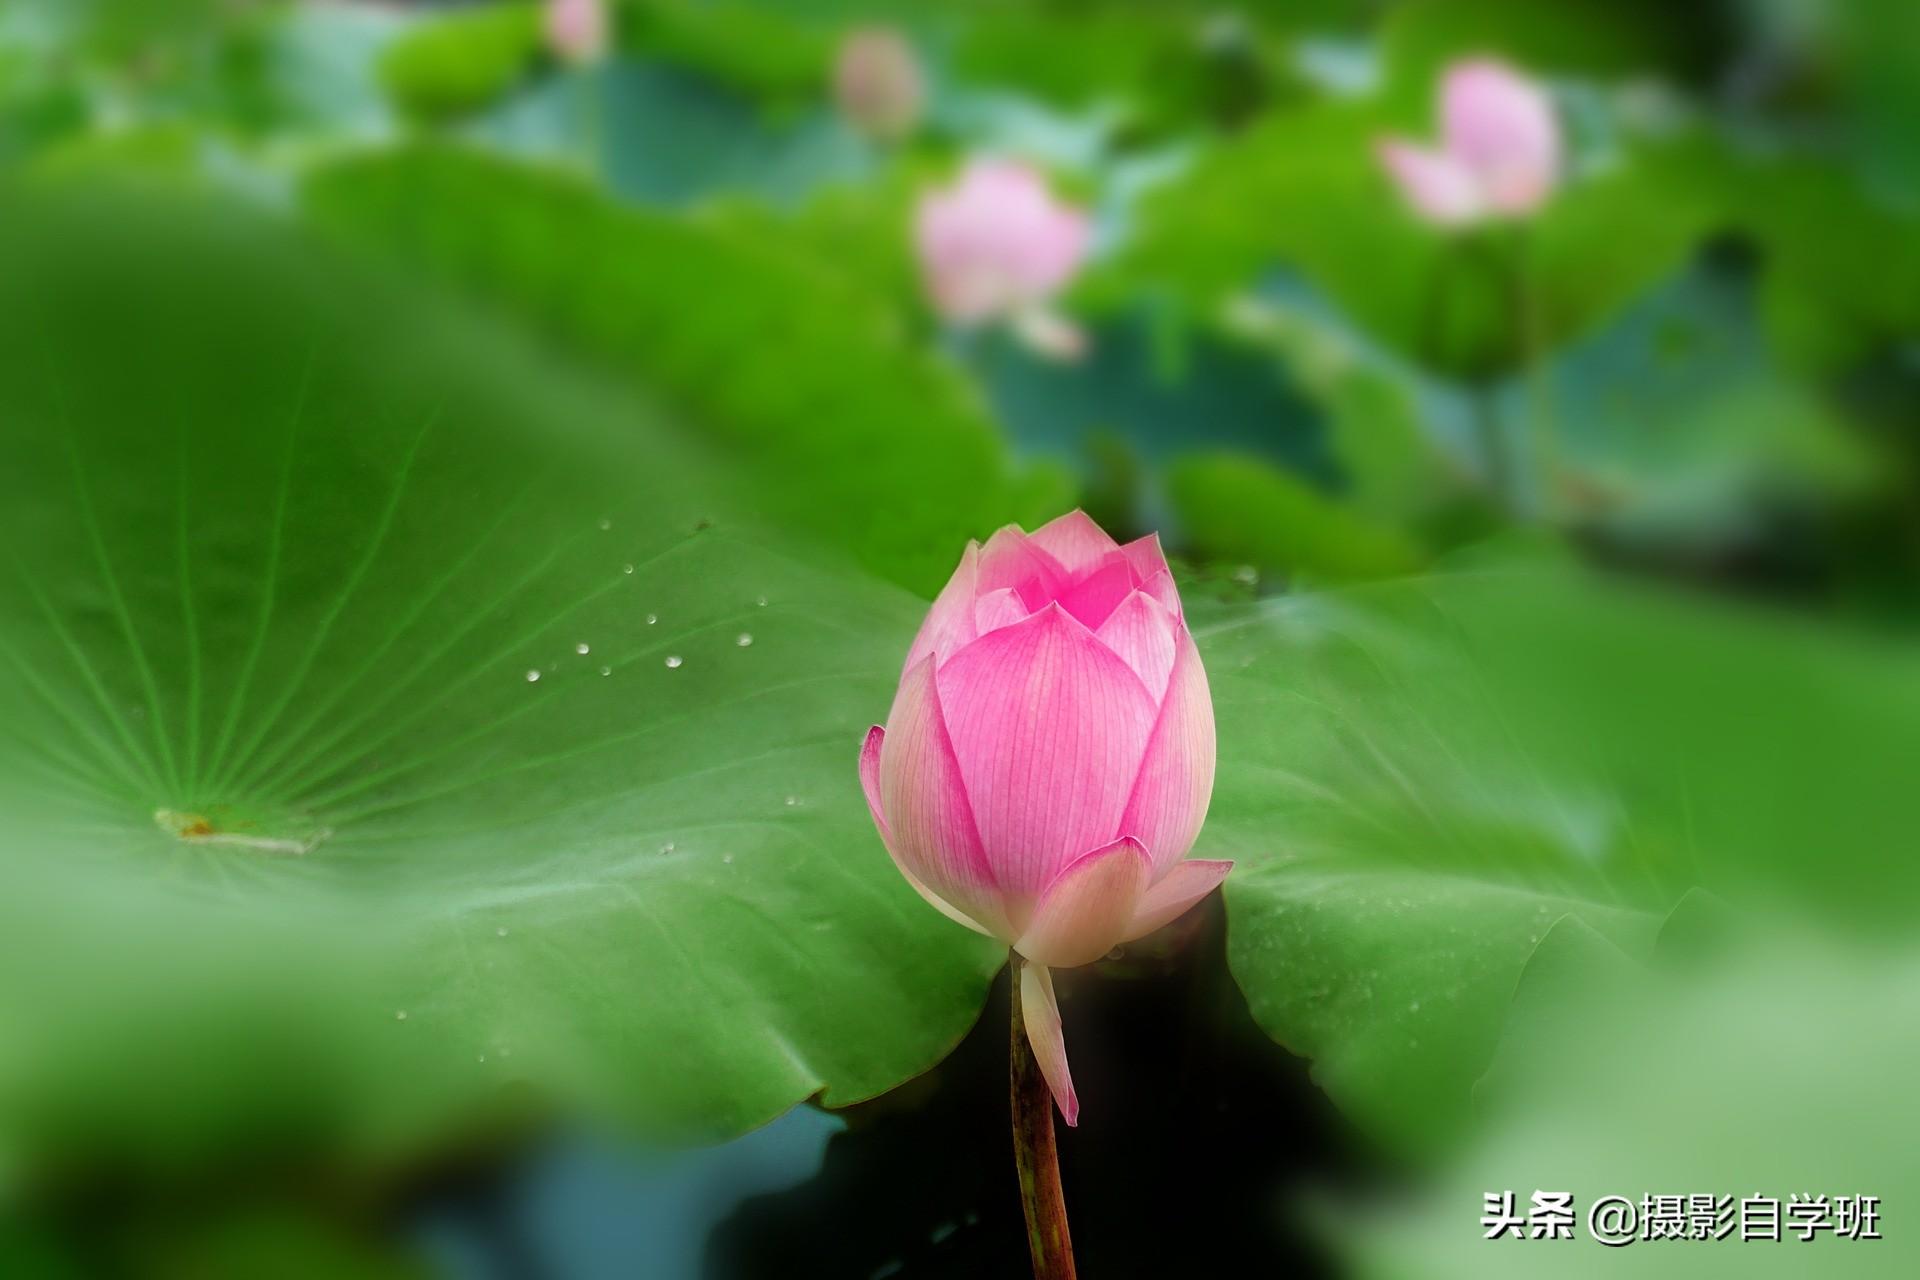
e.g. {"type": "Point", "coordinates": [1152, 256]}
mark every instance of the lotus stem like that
{"type": "Point", "coordinates": [1035, 1156]}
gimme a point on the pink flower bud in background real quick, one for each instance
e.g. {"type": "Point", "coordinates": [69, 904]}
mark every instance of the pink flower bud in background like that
{"type": "Point", "coordinates": [1499, 152]}
{"type": "Point", "coordinates": [576, 30]}
{"type": "Point", "coordinates": [877, 83]}
{"type": "Point", "coordinates": [996, 245]}
{"type": "Point", "coordinates": [1049, 757]}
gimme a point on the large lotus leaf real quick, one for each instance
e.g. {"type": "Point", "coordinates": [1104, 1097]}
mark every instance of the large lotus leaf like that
{"type": "Point", "coordinates": [859, 437]}
{"type": "Point", "coordinates": [451, 65]}
{"type": "Point", "coordinates": [391, 717]}
{"type": "Point", "coordinates": [1418, 779]}
{"type": "Point", "coordinates": [1779, 1074]}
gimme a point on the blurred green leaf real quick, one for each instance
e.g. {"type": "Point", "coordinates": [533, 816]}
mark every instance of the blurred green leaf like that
{"type": "Point", "coordinates": [1685, 431]}
{"type": "Point", "coordinates": [1780, 1073]}
{"type": "Point", "coordinates": [756, 49]}
{"type": "Point", "coordinates": [1304, 190]}
{"type": "Point", "coordinates": [1418, 779]}
{"type": "Point", "coordinates": [394, 718]}
{"type": "Point", "coordinates": [455, 63]}
{"type": "Point", "coordinates": [1239, 509]}
{"type": "Point", "coordinates": [1607, 38]}
{"type": "Point", "coordinates": [859, 435]}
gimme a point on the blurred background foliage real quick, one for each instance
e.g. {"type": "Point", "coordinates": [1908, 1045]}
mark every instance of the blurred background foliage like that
{"type": "Point", "coordinates": [513, 478]}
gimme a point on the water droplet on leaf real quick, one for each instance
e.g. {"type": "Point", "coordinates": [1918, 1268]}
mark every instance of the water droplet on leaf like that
{"type": "Point", "coordinates": [673, 660]}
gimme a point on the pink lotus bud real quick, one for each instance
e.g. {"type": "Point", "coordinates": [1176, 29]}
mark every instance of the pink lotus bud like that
{"type": "Point", "coordinates": [1049, 756]}
{"type": "Point", "coordinates": [576, 30]}
{"type": "Point", "coordinates": [996, 243]}
{"type": "Point", "coordinates": [877, 82]}
{"type": "Point", "coordinates": [1499, 152]}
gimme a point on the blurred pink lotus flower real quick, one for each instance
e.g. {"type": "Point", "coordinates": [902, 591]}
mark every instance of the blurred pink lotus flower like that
{"type": "Point", "coordinates": [877, 82]}
{"type": "Point", "coordinates": [1049, 757]}
{"type": "Point", "coordinates": [997, 245]}
{"type": "Point", "coordinates": [1499, 152]}
{"type": "Point", "coordinates": [576, 30]}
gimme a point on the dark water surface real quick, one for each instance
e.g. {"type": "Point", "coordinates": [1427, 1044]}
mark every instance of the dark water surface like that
{"type": "Point", "coordinates": [1198, 1137]}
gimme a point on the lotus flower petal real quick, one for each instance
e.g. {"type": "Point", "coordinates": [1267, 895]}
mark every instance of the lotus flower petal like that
{"type": "Point", "coordinates": [870, 783]}
{"type": "Point", "coordinates": [924, 803]}
{"type": "Point", "coordinates": [1183, 885]}
{"type": "Point", "coordinates": [1075, 541]}
{"type": "Point", "coordinates": [1169, 799]}
{"type": "Point", "coordinates": [1041, 1014]}
{"type": "Point", "coordinates": [1160, 587]}
{"type": "Point", "coordinates": [1084, 911]}
{"type": "Point", "coordinates": [1439, 187]}
{"type": "Point", "coordinates": [1049, 727]}
{"type": "Point", "coordinates": [1097, 594]}
{"type": "Point", "coordinates": [576, 30]}
{"type": "Point", "coordinates": [1499, 126]}
{"type": "Point", "coordinates": [950, 623]}
{"type": "Point", "coordinates": [1141, 632]}
{"type": "Point", "coordinates": [1147, 558]}
{"type": "Point", "coordinates": [1010, 559]}
{"type": "Point", "coordinates": [998, 609]}
{"type": "Point", "coordinates": [996, 242]}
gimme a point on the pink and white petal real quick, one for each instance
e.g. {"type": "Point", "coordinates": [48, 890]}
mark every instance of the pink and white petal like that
{"type": "Point", "coordinates": [870, 776]}
{"type": "Point", "coordinates": [930, 822]}
{"type": "Point", "coordinates": [1100, 591]}
{"type": "Point", "coordinates": [870, 783]}
{"type": "Point", "coordinates": [1187, 883]}
{"type": "Point", "coordinates": [997, 609]}
{"type": "Point", "coordinates": [1041, 1014]}
{"type": "Point", "coordinates": [1049, 727]}
{"type": "Point", "coordinates": [1499, 126]}
{"type": "Point", "coordinates": [1049, 335]}
{"type": "Point", "coordinates": [1075, 541]}
{"type": "Point", "coordinates": [1160, 586]}
{"type": "Point", "coordinates": [949, 623]}
{"type": "Point", "coordinates": [1140, 630]}
{"type": "Point", "coordinates": [1438, 187]}
{"type": "Point", "coordinates": [1169, 799]}
{"type": "Point", "coordinates": [1147, 557]}
{"type": "Point", "coordinates": [1083, 913]}
{"type": "Point", "coordinates": [1010, 559]}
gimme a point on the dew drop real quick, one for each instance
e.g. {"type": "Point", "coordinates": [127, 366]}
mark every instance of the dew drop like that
{"type": "Point", "coordinates": [792, 801]}
{"type": "Point", "coordinates": [480, 1057]}
{"type": "Point", "coordinates": [744, 639]}
{"type": "Point", "coordinates": [605, 524]}
{"type": "Point", "coordinates": [761, 601]}
{"type": "Point", "coordinates": [626, 568]}
{"type": "Point", "coordinates": [673, 660]}
{"type": "Point", "coordinates": [606, 671]}
{"type": "Point", "coordinates": [501, 932]}
{"type": "Point", "coordinates": [399, 1015]}
{"type": "Point", "coordinates": [583, 649]}
{"type": "Point", "coordinates": [652, 618]}
{"type": "Point", "coordinates": [1414, 1007]}
{"type": "Point", "coordinates": [533, 675]}
{"type": "Point", "coordinates": [727, 858]}
{"type": "Point", "coordinates": [668, 847]}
